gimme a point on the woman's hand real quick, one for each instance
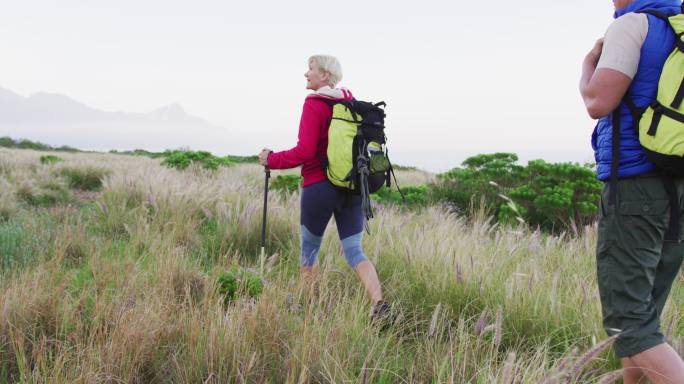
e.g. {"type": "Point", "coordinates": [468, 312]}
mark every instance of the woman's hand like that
{"type": "Point", "coordinates": [263, 156]}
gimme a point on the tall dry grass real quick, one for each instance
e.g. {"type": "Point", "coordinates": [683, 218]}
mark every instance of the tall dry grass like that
{"type": "Point", "coordinates": [120, 286]}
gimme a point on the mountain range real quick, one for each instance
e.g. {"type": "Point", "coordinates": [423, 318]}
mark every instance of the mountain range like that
{"type": "Point", "coordinates": [60, 120]}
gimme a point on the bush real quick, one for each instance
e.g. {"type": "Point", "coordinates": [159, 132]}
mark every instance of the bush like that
{"type": "Point", "coordinates": [414, 196]}
{"type": "Point", "coordinates": [286, 183]}
{"type": "Point", "coordinates": [143, 152]}
{"type": "Point", "coordinates": [182, 159]}
{"type": "Point", "coordinates": [483, 177]}
{"type": "Point", "coordinates": [243, 159]}
{"type": "Point", "coordinates": [238, 282]}
{"type": "Point", "coordinates": [213, 163]}
{"type": "Point", "coordinates": [554, 197]}
{"type": "Point", "coordinates": [86, 179]}
{"type": "Point", "coordinates": [6, 142]}
{"type": "Point", "coordinates": [66, 148]}
{"type": "Point", "coordinates": [47, 195]}
{"type": "Point", "coordinates": [49, 159]}
{"type": "Point", "coordinates": [28, 144]}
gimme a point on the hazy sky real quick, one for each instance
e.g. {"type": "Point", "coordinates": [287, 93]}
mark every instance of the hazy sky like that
{"type": "Point", "coordinates": [459, 78]}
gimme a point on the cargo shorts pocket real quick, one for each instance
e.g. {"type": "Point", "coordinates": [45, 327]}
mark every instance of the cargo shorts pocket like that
{"type": "Point", "coordinates": [645, 219]}
{"type": "Point", "coordinates": [644, 207]}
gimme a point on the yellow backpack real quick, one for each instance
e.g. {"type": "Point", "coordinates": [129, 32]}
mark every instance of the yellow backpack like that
{"type": "Point", "coordinates": [357, 156]}
{"type": "Point", "coordinates": [661, 127]}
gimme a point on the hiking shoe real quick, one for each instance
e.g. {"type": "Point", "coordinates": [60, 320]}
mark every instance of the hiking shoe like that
{"type": "Point", "coordinates": [382, 314]}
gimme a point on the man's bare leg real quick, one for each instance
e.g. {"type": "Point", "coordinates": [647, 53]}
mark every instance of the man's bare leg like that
{"type": "Point", "coordinates": [661, 364]}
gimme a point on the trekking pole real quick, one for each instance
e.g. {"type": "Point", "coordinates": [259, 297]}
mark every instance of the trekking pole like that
{"type": "Point", "coordinates": [263, 222]}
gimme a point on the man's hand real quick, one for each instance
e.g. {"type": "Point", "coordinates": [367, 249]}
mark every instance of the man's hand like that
{"type": "Point", "coordinates": [263, 156]}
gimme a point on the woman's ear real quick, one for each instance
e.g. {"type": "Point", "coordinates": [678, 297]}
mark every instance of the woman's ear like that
{"type": "Point", "coordinates": [326, 77]}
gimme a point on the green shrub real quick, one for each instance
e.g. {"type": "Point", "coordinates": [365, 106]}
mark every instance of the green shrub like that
{"type": "Point", "coordinates": [85, 179]}
{"type": "Point", "coordinates": [182, 159]}
{"type": "Point", "coordinates": [212, 163]}
{"type": "Point", "coordinates": [28, 144]}
{"type": "Point", "coordinates": [238, 282]}
{"type": "Point", "coordinates": [414, 196]}
{"type": "Point", "coordinates": [286, 183]}
{"type": "Point", "coordinates": [243, 159]}
{"type": "Point", "coordinates": [178, 160]}
{"type": "Point", "coordinates": [66, 148]}
{"type": "Point", "coordinates": [46, 195]}
{"type": "Point", "coordinates": [143, 152]}
{"type": "Point", "coordinates": [50, 159]}
{"type": "Point", "coordinates": [483, 177]}
{"type": "Point", "coordinates": [555, 196]}
{"type": "Point", "coordinates": [6, 142]}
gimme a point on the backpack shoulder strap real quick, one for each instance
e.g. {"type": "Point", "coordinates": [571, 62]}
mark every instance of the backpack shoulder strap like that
{"type": "Point", "coordinates": [655, 13]}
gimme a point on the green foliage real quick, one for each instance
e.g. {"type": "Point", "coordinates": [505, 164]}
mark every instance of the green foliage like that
{"type": "Point", "coordinates": [181, 159]}
{"type": "Point", "coordinates": [286, 183]}
{"type": "Point", "coordinates": [82, 277]}
{"type": "Point", "coordinates": [238, 282]}
{"type": "Point", "coordinates": [415, 196]}
{"type": "Point", "coordinates": [142, 152]}
{"type": "Point", "coordinates": [66, 148]}
{"type": "Point", "coordinates": [85, 179]}
{"type": "Point", "coordinates": [243, 159]}
{"type": "Point", "coordinates": [28, 144]}
{"type": "Point", "coordinates": [50, 159]}
{"type": "Point", "coordinates": [6, 142]}
{"type": "Point", "coordinates": [556, 196]}
{"type": "Point", "coordinates": [47, 194]}
{"type": "Point", "coordinates": [552, 196]}
{"type": "Point", "coordinates": [483, 177]}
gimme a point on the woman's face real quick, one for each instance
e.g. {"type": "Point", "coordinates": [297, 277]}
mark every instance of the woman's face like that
{"type": "Point", "coordinates": [315, 77]}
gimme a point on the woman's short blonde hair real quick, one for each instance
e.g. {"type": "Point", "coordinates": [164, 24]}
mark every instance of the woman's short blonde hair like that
{"type": "Point", "coordinates": [329, 64]}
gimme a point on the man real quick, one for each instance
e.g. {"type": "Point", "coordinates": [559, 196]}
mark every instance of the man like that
{"type": "Point", "coordinates": [635, 263]}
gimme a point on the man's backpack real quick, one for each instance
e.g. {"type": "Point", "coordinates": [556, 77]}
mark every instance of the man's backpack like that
{"type": "Point", "coordinates": [357, 155]}
{"type": "Point", "coordinates": [661, 124]}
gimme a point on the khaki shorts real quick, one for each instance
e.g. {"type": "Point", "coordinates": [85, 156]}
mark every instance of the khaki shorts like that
{"type": "Point", "coordinates": [635, 266]}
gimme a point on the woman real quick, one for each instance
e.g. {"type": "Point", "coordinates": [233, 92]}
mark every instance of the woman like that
{"type": "Point", "coordinates": [319, 198]}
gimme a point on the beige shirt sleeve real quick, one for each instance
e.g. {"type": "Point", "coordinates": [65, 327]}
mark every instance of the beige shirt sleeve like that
{"type": "Point", "coordinates": [622, 44]}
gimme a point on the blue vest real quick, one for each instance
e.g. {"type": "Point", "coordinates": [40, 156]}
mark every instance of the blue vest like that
{"type": "Point", "coordinates": [643, 89]}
